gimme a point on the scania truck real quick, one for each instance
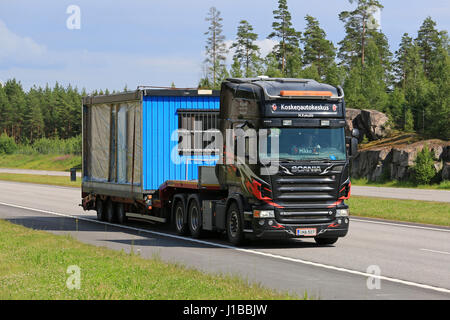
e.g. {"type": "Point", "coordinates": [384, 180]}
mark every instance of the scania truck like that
{"type": "Point", "coordinates": [264, 158]}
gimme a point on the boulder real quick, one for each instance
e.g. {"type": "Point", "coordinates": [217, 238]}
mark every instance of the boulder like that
{"type": "Point", "coordinates": [375, 124]}
{"type": "Point", "coordinates": [371, 123]}
{"type": "Point", "coordinates": [350, 116]}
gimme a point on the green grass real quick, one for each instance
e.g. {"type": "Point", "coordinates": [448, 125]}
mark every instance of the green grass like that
{"type": "Point", "coordinates": [41, 179]}
{"type": "Point", "coordinates": [427, 212]}
{"type": "Point", "coordinates": [40, 161]}
{"type": "Point", "coordinates": [444, 185]}
{"type": "Point", "coordinates": [33, 265]}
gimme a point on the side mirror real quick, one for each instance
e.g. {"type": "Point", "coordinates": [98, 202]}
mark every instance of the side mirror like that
{"type": "Point", "coordinates": [353, 147]}
{"type": "Point", "coordinates": [355, 133]}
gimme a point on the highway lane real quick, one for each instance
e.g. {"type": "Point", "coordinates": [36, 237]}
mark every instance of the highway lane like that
{"type": "Point", "coordinates": [417, 255]}
{"type": "Point", "coordinates": [380, 192]}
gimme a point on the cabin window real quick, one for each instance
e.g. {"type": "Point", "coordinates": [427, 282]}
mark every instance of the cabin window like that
{"type": "Point", "coordinates": [196, 131]}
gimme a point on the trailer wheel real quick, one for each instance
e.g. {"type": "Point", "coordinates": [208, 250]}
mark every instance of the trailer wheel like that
{"type": "Point", "coordinates": [110, 214]}
{"type": "Point", "coordinates": [100, 208]}
{"type": "Point", "coordinates": [235, 230]}
{"type": "Point", "coordinates": [195, 219]}
{"type": "Point", "coordinates": [180, 224]}
{"type": "Point", "coordinates": [325, 241]}
{"type": "Point", "coordinates": [120, 213]}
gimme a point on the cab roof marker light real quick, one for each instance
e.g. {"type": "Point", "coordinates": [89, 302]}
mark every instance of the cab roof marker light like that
{"type": "Point", "coordinates": [286, 93]}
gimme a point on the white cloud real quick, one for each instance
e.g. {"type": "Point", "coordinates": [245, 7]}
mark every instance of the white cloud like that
{"type": "Point", "coordinates": [19, 50]}
{"type": "Point", "coordinates": [34, 64]}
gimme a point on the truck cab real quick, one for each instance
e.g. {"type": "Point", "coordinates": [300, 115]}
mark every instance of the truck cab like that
{"type": "Point", "coordinates": [298, 188]}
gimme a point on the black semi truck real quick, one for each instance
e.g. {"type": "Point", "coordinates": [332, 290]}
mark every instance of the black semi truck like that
{"type": "Point", "coordinates": [264, 158]}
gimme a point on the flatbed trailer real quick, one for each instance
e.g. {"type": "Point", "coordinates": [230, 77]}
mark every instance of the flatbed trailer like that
{"type": "Point", "coordinates": [173, 156]}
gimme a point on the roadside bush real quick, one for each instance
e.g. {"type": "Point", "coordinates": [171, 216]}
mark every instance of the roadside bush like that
{"type": "Point", "coordinates": [424, 170]}
{"type": "Point", "coordinates": [58, 146]}
{"type": "Point", "coordinates": [7, 144]}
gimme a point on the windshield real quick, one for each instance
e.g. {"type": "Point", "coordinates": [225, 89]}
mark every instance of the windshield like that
{"type": "Point", "coordinates": [305, 144]}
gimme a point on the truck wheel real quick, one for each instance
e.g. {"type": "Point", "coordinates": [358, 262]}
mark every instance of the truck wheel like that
{"type": "Point", "coordinates": [120, 213]}
{"type": "Point", "coordinates": [110, 214]}
{"type": "Point", "coordinates": [180, 224]}
{"type": "Point", "coordinates": [234, 225]}
{"type": "Point", "coordinates": [195, 219]}
{"type": "Point", "coordinates": [325, 241]}
{"type": "Point", "coordinates": [100, 207]}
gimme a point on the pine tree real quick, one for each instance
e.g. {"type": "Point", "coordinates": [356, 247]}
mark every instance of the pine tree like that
{"type": "Point", "coordinates": [429, 41]}
{"type": "Point", "coordinates": [357, 22]}
{"type": "Point", "coordinates": [402, 60]}
{"type": "Point", "coordinates": [5, 111]}
{"type": "Point", "coordinates": [247, 52]}
{"type": "Point", "coordinates": [236, 69]}
{"type": "Point", "coordinates": [16, 105]}
{"type": "Point", "coordinates": [423, 168]}
{"type": "Point", "coordinates": [317, 50]}
{"type": "Point", "coordinates": [216, 49]}
{"type": "Point", "coordinates": [287, 51]}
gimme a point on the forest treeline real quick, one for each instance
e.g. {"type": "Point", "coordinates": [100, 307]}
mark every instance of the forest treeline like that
{"type": "Point", "coordinates": [412, 85]}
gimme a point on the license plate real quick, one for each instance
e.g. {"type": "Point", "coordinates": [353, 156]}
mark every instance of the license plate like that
{"type": "Point", "coordinates": [307, 232]}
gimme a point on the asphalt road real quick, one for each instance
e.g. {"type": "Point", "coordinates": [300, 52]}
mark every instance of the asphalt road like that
{"type": "Point", "coordinates": [414, 261]}
{"type": "Point", "coordinates": [402, 193]}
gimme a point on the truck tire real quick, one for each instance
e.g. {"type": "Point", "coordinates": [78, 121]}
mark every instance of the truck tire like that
{"type": "Point", "coordinates": [234, 225]}
{"type": "Point", "coordinates": [120, 213]}
{"type": "Point", "coordinates": [178, 218]}
{"type": "Point", "coordinates": [195, 219]}
{"type": "Point", "coordinates": [100, 208]}
{"type": "Point", "coordinates": [325, 241]}
{"type": "Point", "coordinates": [110, 212]}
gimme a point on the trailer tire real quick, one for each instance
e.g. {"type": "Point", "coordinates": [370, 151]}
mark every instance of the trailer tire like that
{"type": "Point", "coordinates": [234, 225]}
{"type": "Point", "coordinates": [100, 208]}
{"type": "Point", "coordinates": [195, 219]}
{"type": "Point", "coordinates": [325, 241]}
{"type": "Point", "coordinates": [178, 218]}
{"type": "Point", "coordinates": [110, 211]}
{"type": "Point", "coordinates": [120, 213]}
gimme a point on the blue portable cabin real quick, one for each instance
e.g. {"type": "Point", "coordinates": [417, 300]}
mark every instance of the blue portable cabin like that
{"type": "Point", "coordinates": [131, 144]}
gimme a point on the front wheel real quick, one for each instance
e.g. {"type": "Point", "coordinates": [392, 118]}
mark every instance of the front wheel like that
{"type": "Point", "coordinates": [235, 230]}
{"type": "Point", "coordinates": [325, 241]}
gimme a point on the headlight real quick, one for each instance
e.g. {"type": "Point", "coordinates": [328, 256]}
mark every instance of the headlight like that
{"type": "Point", "coordinates": [342, 212]}
{"type": "Point", "coordinates": [263, 214]}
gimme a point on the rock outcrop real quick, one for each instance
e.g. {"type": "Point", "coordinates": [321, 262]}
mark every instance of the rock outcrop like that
{"type": "Point", "coordinates": [371, 123]}
{"type": "Point", "coordinates": [396, 162]}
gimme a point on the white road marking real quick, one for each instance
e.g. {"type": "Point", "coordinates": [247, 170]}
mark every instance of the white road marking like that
{"type": "Point", "coordinates": [399, 225]}
{"type": "Point", "coordinates": [329, 267]}
{"type": "Point", "coordinates": [435, 251]}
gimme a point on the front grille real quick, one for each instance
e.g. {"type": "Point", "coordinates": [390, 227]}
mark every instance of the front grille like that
{"type": "Point", "coordinates": [305, 199]}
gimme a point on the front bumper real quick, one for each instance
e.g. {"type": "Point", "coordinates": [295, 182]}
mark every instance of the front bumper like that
{"type": "Point", "coordinates": [337, 228]}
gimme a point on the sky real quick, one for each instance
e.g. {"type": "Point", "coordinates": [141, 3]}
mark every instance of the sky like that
{"type": "Point", "coordinates": [157, 42]}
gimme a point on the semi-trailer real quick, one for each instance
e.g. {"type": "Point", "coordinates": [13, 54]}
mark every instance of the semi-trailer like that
{"type": "Point", "coordinates": [263, 158]}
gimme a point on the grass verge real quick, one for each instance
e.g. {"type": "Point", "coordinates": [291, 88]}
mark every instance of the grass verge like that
{"type": "Point", "coordinates": [41, 179]}
{"type": "Point", "coordinates": [40, 161]}
{"type": "Point", "coordinates": [33, 265]}
{"type": "Point", "coordinates": [444, 185]}
{"type": "Point", "coordinates": [427, 212]}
